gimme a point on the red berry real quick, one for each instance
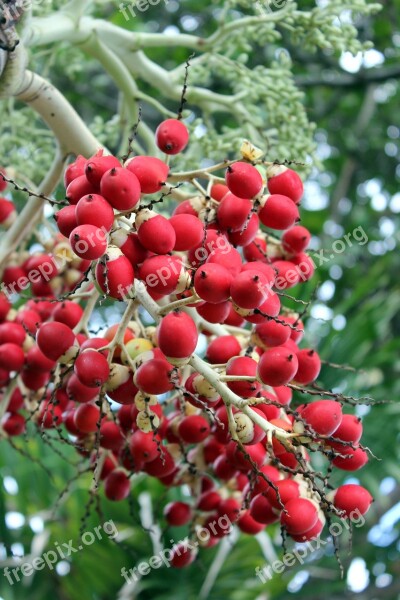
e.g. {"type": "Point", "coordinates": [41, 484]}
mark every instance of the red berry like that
{"type": "Point", "coordinates": [287, 274]}
{"type": "Point", "coordinates": [222, 348]}
{"type": "Point", "coordinates": [352, 459]}
{"type": "Point", "coordinates": [243, 365]}
{"type": "Point", "coordinates": [153, 377]}
{"type": "Point", "coordinates": [350, 429]}
{"type": "Point", "coordinates": [130, 245]}
{"type": "Point", "coordinates": [277, 366]}
{"type": "Point", "coordinates": [164, 275]}
{"type": "Point", "coordinates": [233, 212]}
{"type": "Point", "coordinates": [68, 312]}
{"type": "Point", "coordinates": [115, 275]}
{"type": "Point", "coordinates": [97, 165]}
{"type": "Point", "coordinates": [310, 534]}
{"type": "Point", "coordinates": [282, 180]}
{"type": "Point", "coordinates": [323, 416]}
{"type": "Point", "coordinates": [351, 497]}
{"type": "Point", "coordinates": [296, 239]}
{"type": "Point", "coordinates": [155, 232]}
{"type": "Point", "coordinates": [246, 235]}
{"type": "Point", "coordinates": [78, 392]}
{"type": "Point", "coordinates": [13, 424]}
{"type": "Point", "coordinates": [218, 191]}
{"type": "Point", "coordinates": [11, 332]}
{"type": "Point", "coordinates": [261, 510]}
{"type": "Point", "coordinates": [151, 172]}
{"type": "Point", "coordinates": [212, 283]}
{"type": "Point", "coordinates": [88, 241]}
{"type": "Point", "coordinates": [35, 359]}
{"type": "Point", "coordinates": [193, 429]}
{"type": "Point", "coordinates": [247, 524]}
{"type": "Point", "coordinates": [111, 436]}
{"type": "Point", "coordinates": [144, 447]}
{"type": "Point", "coordinates": [182, 556]}
{"type": "Point", "coordinates": [278, 212]}
{"type": "Point", "coordinates": [243, 180]}
{"type": "Point", "coordinates": [172, 136]}
{"type": "Point", "coordinates": [8, 212]}
{"type": "Point", "coordinates": [177, 513]}
{"type": "Point", "coordinates": [74, 170]}
{"type": "Point", "coordinates": [299, 515]}
{"type": "Point", "coordinates": [309, 366]}
{"type": "Point", "coordinates": [249, 289]}
{"type": "Point", "coordinates": [271, 333]}
{"type": "Point", "coordinates": [11, 357]}
{"type": "Point", "coordinates": [177, 336]}
{"type": "Point", "coordinates": [78, 188]}
{"type": "Point", "coordinates": [121, 188]}
{"type": "Point", "coordinates": [86, 418]}
{"type": "Point", "coordinates": [287, 490]}
{"type": "Point", "coordinates": [91, 368]}
{"type": "Point", "coordinates": [57, 341]}
{"type": "Point", "coordinates": [189, 231]}
{"type": "Point", "coordinates": [3, 182]}
{"type": "Point", "coordinates": [93, 209]}
{"type": "Point", "coordinates": [117, 485]}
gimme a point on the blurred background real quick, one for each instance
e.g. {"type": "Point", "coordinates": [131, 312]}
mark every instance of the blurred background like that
{"type": "Point", "coordinates": [353, 100]}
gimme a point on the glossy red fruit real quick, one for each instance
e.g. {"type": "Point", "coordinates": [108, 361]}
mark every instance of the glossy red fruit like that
{"type": "Point", "coordinates": [271, 334]}
{"type": "Point", "coordinates": [214, 313]}
{"type": "Point", "coordinates": [243, 180]}
{"type": "Point", "coordinates": [278, 212]}
{"type": "Point", "coordinates": [172, 136]}
{"type": "Point", "coordinates": [247, 524]}
{"type": "Point", "coordinates": [352, 498]}
{"type": "Point", "coordinates": [121, 388]}
{"type": "Point", "coordinates": [218, 191]}
{"type": "Point", "coordinates": [222, 348]}
{"type": "Point", "coordinates": [209, 500]}
{"type": "Point", "coordinates": [287, 490]}
{"type": "Point", "coordinates": [49, 416]}
{"type": "Point", "coordinates": [162, 466]}
{"type": "Point", "coordinates": [11, 332]}
{"type": "Point", "coordinates": [269, 308]}
{"type": "Point", "coordinates": [121, 188]}
{"type": "Point", "coordinates": [182, 556]}
{"type": "Point", "coordinates": [350, 429]}
{"type": "Point", "coordinates": [352, 459]}
{"type": "Point", "coordinates": [296, 239]}
{"type": "Point", "coordinates": [78, 392]}
{"type": "Point", "coordinates": [74, 170]}
{"type": "Point", "coordinates": [57, 341]}
{"type": "Point", "coordinates": [111, 436]}
{"type": "Point", "coordinates": [16, 401]}
{"type": "Point", "coordinates": [91, 368]}
{"type": "Point", "coordinates": [88, 241]}
{"type": "Point", "coordinates": [309, 366]}
{"type": "Point", "coordinates": [117, 485]}
{"type": "Point", "coordinates": [86, 418]}
{"type": "Point", "coordinates": [33, 379]}
{"type": "Point", "coordinates": [8, 212]}
{"type": "Point", "coordinates": [250, 289]}
{"type": "Point", "coordinates": [282, 180]}
{"type": "Point", "coordinates": [246, 235]}
{"type": "Point", "coordinates": [67, 312]}
{"type": "Point", "coordinates": [12, 357]}
{"type": "Point", "coordinates": [155, 232]}
{"type": "Point", "coordinates": [304, 265]}
{"type": "Point", "coordinates": [144, 447]}
{"type": "Point", "coordinates": [193, 429]}
{"type": "Point", "coordinates": [150, 171]}
{"type": "Point", "coordinates": [98, 165]}
{"type": "Point", "coordinates": [13, 424]}
{"type": "Point", "coordinates": [311, 534]}
{"type": "Point", "coordinates": [323, 416]}
{"type": "Point", "coordinates": [233, 213]}
{"type": "Point", "coordinates": [262, 482]}
{"type": "Point", "coordinates": [189, 231]}
{"type": "Point", "coordinates": [94, 209]}
{"type": "Point", "coordinates": [287, 274]}
{"type": "Point", "coordinates": [164, 275]}
{"type": "Point", "coordinates": [257, 249]}
{"type": "Point", "coordinates": [78, 188]}
{"type": "Point", "coordinates": [245, 366]}
{"type": "Point", "coordinates": [177, 513]}
{"type": "Point", "coordinates": [115, 274]}
{"type": "Point", "coordinates": [212, 283]}
{"type": "Point", "coordinates": [299, 516]}
{"type": "Point", "coordinates": [177, 336]}
{"type": "Point", "coordinates": [130, 245]}
{"type": "Point", "coordinates": [36, 360]}
{"type": "Point", "coordinates": [277, 366]}
{"type": "Point", "coordinates": [261, 510]}
{"type": "Point", "coordinates": [153, 377]}
{"type": "Point", "coordinates": [5, 306]}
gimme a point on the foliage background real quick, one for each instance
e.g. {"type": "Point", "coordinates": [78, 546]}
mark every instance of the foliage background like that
{"type": "Point", "coordinates": [354, 319]}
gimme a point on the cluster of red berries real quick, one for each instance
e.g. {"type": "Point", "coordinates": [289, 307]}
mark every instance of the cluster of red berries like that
{"type": "Point", "coordinates": [223, 425]}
